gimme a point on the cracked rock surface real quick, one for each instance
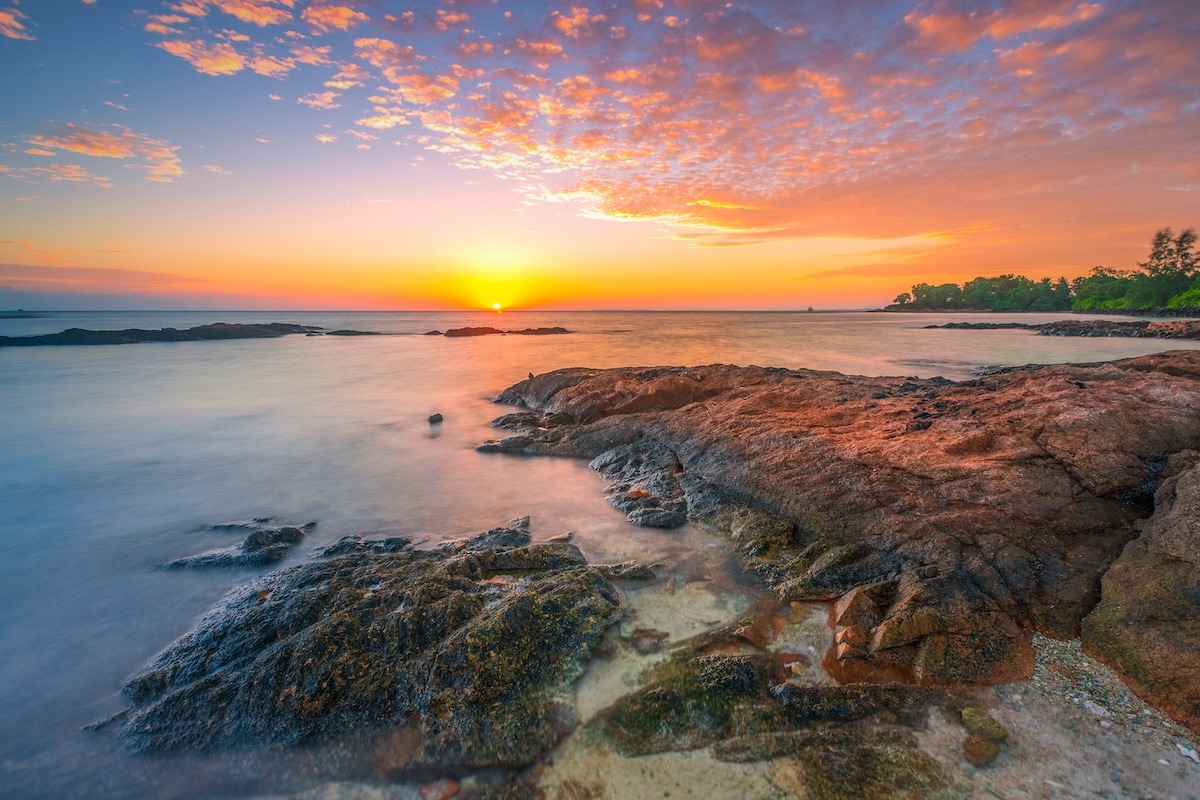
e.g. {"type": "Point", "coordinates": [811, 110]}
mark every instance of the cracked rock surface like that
{"type": "Point", "coordinates": [947, 520]}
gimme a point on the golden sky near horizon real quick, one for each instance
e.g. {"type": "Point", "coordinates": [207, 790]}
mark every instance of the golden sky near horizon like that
{"type": "Point", "coordinates": [638, 154]}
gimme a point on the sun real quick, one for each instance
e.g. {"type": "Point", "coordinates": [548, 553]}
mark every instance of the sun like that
{"type": "Point", "coordinates": [497, 307]}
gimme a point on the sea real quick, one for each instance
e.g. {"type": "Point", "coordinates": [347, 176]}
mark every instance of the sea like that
{"type": "Point", "coordinates": [117, 459]}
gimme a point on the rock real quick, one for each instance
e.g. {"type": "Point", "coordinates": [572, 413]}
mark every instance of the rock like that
{"type": "Point", "coordinates": [993, 520]}
{"type": "Point", "coordinates": [348, 545]}
{"type": "Point", "coordinates": [845, 764]}
{"type": "Point", "coordinates": [435, 419]}
{"type": "Point", "coordinates": [980, 723]}
{"type": "Point", "coordinates": [217, 330]}
{"type": "Point", "coordinates": [658, 517]}
{"type": "Point", "coordinates": [439, 790]}
{"type": "Point", "coordinates": [1142, 329]}
{"type": "Point", "coordinates": [430, 646]}
{"type": "Point", "coordinates": [647, 640]}
{"type": "Point", "coordinates": [432, 333]}
{"type": "Point", "coordinates": [514, 533]}
{"type": "Point", "coordinates": [1147, 624]}
{"type": "Point", "coordinates": [627, 571]}
{"type": "Point", "coordinates": [488, 331]}
{"type": "Point", "coordinates": [979, 751]}
{"type": "Point", "coordinates": [694, 701]}
{"type": "Point", "coordinates": [263, 546]}
{"type": "Point", "coordinates": [345, 332]}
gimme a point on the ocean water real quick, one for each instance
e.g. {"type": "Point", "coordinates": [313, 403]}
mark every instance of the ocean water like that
{"type": "Point", "coordinates": [115, 459]}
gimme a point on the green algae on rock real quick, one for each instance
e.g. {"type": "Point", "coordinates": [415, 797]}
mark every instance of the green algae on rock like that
{"type": "Point", "coordinates": [696, 701]}
{"type": "Point", "coordinates": [464, 650]}
{"type": "Point", "coordinates": [846, 764]}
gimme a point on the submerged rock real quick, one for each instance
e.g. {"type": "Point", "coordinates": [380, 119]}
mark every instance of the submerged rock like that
{"type": "Point", "coordinates": [263, 546]}
{"type": "Point", "coordinates": [462, 652]}
{"type": "Point", "coordinates": [489, 331]}
{"type": "Point", "coordinates": [846, 764]}
{"type": "Point", "coordinates": [696, 701]}
{"type": "Point", "coordinates": [958, 517]}
{"type": "Point", "coordinates": [1147, 624]}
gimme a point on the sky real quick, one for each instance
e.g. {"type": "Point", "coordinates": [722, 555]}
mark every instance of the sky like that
{"type": "Point", "coordinates": [767, 154]}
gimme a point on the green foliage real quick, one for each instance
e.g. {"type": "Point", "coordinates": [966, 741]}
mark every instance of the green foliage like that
{"type": "Point", "coordinates": [1169, 278]}
{"type": "Point", "coordinates": [1002, 293]}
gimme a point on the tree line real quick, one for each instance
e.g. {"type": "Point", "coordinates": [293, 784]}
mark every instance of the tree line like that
{"type": "Point", "coordinates": [1169, 279]}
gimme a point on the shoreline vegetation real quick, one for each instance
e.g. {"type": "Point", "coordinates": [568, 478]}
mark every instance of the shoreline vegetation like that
{"type": "Point", "coordinates": [1166, 284]}
{"type": "Point", "coordinates": [957, 533]}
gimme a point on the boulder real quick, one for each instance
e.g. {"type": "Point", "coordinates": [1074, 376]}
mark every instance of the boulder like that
{"type": "Point", "coordinates": [461, 653]}
{"type": "Point", "coordinates": [263, 546]}
{"type": "Point", "coordinates": [1147, 624]}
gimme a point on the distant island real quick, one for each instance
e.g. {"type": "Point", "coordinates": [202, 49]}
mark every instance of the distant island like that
{"type": "Point", "coordinates": [217, 330]}
{"type": "Point", "coordinates": [1167, 284]}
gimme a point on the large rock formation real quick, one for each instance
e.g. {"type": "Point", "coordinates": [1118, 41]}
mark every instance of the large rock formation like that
{"type": "Point", "coordinates": [1147, 625]}
{"type": "Point", "coordinates": [947, 520]}
{"type": "Point", "coordinates": [459, 653]}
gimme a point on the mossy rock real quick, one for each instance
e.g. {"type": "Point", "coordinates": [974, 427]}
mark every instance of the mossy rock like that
{"type": "Point", "coordinates": [693, 702]}
{"type": "Point", "coordinates": [848, 764]}
{"type": "Point", "coordinates": [470, 650]}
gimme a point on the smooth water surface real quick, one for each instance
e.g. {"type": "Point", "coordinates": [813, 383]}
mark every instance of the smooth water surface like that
{"type": "Point", "coordinates": [114, 459]}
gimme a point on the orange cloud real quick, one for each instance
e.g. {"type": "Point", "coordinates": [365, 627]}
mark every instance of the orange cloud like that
{"type": "Point", "coordinates": [216, 59]}
{"type": "Point", "coordinates": [348, 77]}
{"type": "Point", "coordinates": [12, 24]}
{"type": "Point", "coordinates": [326, 17]}
{"type": "Point", "coordinates": [256, 12]}
{"type": "Point", "coordinates": [450, 19]}
{"type": "Point", "coordinates": [321, 100]}
{"type": "Point", "coordinates": [422, 90]}
{"type": "Point", "coordinates": [161, 159]}
{"type": "Point", "coordinates": [271, 66]}
{"type": "Point", "coordinates": [314, 56]}
{"type": "Point", "coordinates": [383, 53]}
{"type": "Point", "coordinates": [957, 31]}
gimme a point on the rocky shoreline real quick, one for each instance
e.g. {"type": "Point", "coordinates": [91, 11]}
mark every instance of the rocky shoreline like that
{"type": "Point", "coordinates": [946, 521]}
{"type": "Point", "coordinates": [948, 528]}
{"type": "Point", "coordinates": [1139, 329]}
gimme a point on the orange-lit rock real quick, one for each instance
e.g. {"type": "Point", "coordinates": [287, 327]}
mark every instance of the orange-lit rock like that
{"type": "Point", "coordinates": [974, 512]}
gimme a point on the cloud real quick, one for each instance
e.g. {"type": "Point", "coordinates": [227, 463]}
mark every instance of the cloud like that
{"type": "Point", "coordinates": [321, 100]}
{"type": "Point", "coordinates": [256, 12]}
{"type": "Point", "coordinates": [219, 58]}
{"type": "Point", "coordinates": [271, 66]}
{"type": "Point", "coordinates": [39, 278]}
{"type": "Point", "coordinates": [12, 24]}
{"type": "Point", "coordinates": [159, 158]}
{"type": "Point", "coordinates": [326, 17]}
{"type": "Point", "coordinates": [735, 123]}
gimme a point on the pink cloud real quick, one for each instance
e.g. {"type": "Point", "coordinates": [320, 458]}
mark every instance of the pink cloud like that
{"type": "Point", "coordinates": [325, 17]}
{"type": "Point", "coordinates": [219, 58]}
{"type": "Point", "coordinates": [255, 12]}
{"type": "Point", "coordinates": [323, 100]}
{"type": "Point", "coordinates": [161, 159]}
